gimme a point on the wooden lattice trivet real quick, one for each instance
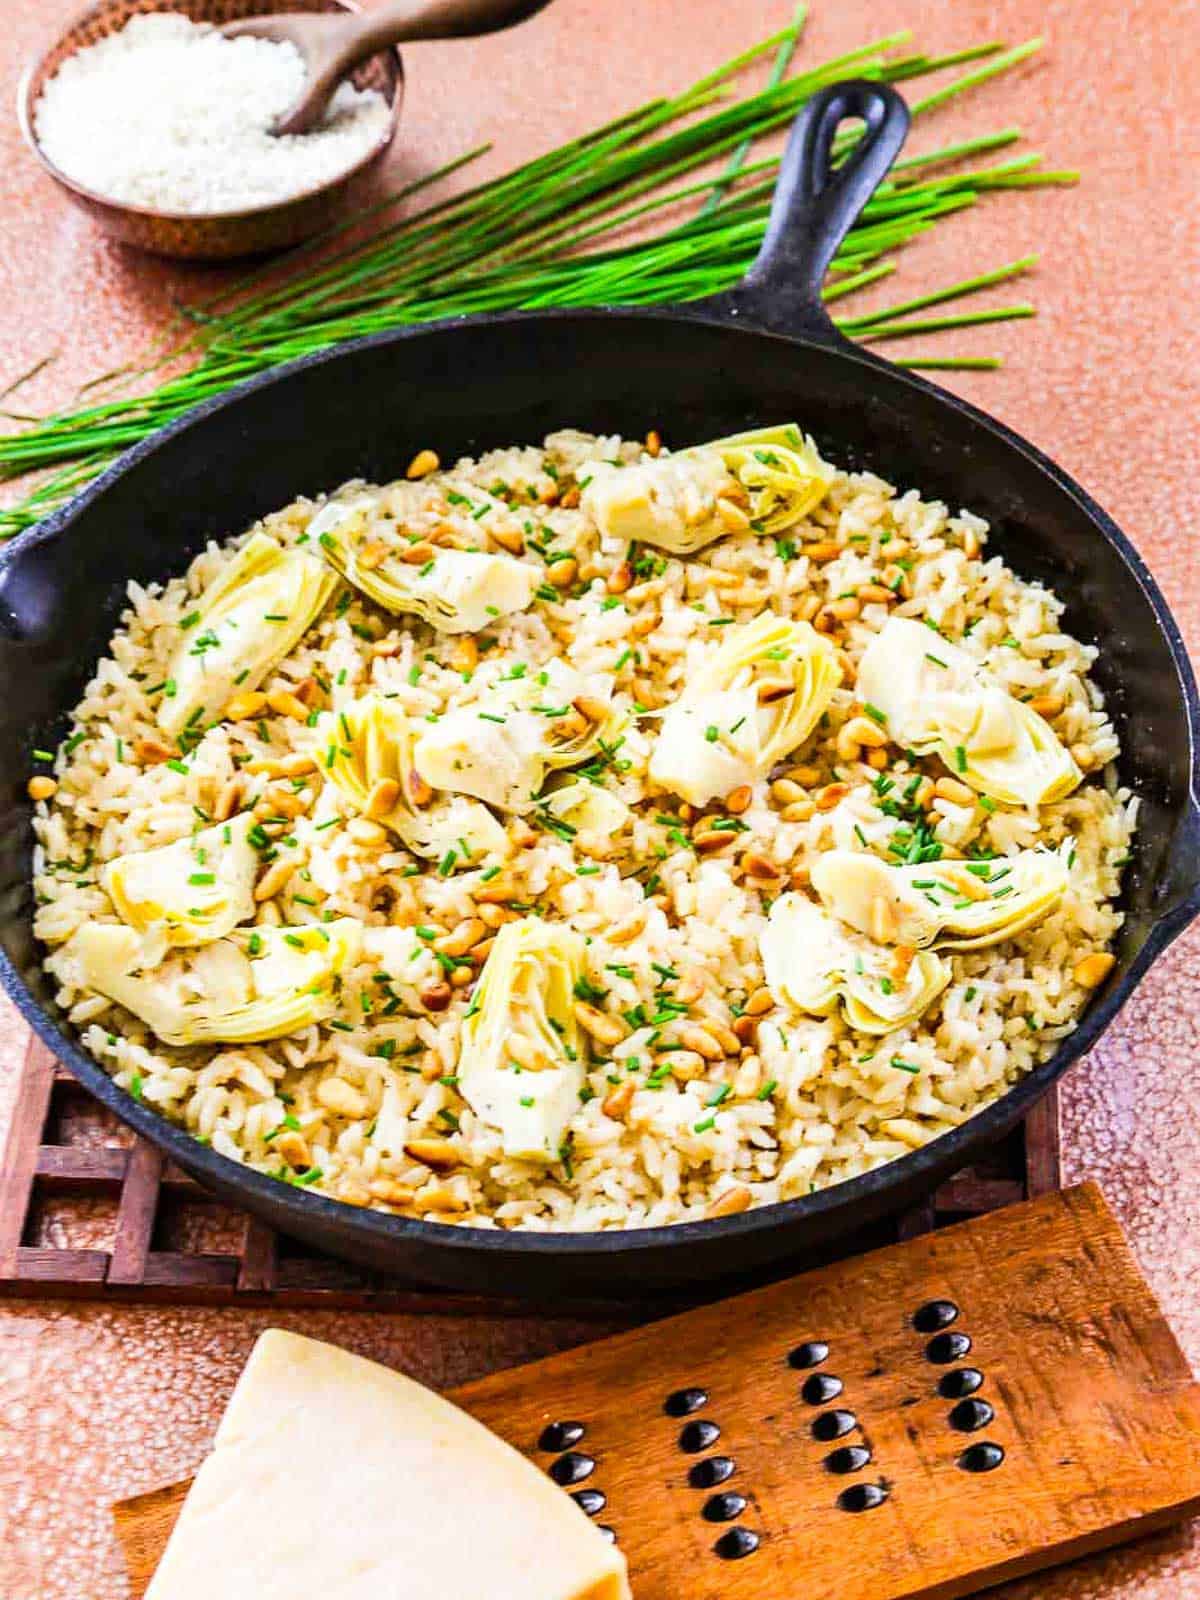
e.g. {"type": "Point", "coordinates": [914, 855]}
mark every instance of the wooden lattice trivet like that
{"type": "Point", "coordinates": [87, 1210]}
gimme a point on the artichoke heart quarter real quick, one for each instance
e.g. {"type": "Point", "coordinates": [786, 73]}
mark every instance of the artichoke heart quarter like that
{"type": "Point", "coordinates": [366, 752]}
{"type": "Point", "coordinates": [813, 964]}
{"type": "Point", "coordinates": [951, 905]}
{"type": "Point", "coordinates": [194, 891]}
{"type": "Point", "coordinates": [757, 698]}
{"type": "Point", "coordinates": [937, 699]}
{"type": "Point", "coordinates": [522, 1058]}
{"type": "Point", "coordinates": [288, 980]}
{"type": "Point", "coordinates": [766, 480]}
{"type": "Point", "coordinates": [249, 618]}
{"type": "Point", "coordinates": [454, 591]}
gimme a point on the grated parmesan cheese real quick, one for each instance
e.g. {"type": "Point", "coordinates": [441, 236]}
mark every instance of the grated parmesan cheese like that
{"type": "Point", "coordinates": [171, 115]}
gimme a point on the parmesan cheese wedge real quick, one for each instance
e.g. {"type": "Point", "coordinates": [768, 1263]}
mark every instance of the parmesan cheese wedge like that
{"type": "Point", "coordinates": [336, 1477]}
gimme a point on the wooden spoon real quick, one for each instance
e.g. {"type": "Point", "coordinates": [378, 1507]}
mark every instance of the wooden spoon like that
{"type": "Point", "coordinates": [333, 43]}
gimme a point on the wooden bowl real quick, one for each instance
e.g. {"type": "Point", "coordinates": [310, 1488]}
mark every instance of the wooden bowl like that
{"type": "Point", "coordinates": [214, 236]}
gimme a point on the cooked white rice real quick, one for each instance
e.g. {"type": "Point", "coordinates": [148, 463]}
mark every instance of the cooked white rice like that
{"type": "Point", "coordinates": [799, 1104]}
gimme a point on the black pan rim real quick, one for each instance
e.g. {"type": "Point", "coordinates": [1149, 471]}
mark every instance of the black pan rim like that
{"type": "Point", "coordinates": [939, 1155]}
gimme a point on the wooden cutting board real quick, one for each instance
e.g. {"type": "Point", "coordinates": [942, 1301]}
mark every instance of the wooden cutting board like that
{"type": "Point", "coordinates": [936, 1417]}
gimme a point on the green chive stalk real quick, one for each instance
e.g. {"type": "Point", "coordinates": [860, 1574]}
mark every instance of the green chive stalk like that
{"type": "Point", "coordinates": [629, 213]}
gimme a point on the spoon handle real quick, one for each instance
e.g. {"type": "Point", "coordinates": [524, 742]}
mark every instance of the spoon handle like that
{"type": "Point", "coordinates": [402, 21]}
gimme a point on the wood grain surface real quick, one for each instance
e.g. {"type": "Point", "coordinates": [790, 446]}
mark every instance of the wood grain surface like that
{"type": "Point", "coordinates": [1092, 1406]}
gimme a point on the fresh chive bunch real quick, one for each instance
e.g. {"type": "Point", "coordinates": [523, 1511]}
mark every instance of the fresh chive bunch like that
{"type": "Point", "coordinates": [555, 232]}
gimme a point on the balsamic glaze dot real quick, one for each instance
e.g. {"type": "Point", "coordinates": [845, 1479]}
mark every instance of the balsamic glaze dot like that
{"type": "Point", "coordinates": [862, 1497]}
{"type": "Point", "coordinates": [935, 1315]}
{"type": "Point", "coordinates": [832, 1425]}
{"type": "Point", "coordinates": [735, 1544]}
{"type": "Point", "coordinates": [682, 1402]}
{"type": "Point", "coordinates": [708, 1474]}
{"type": "Point", "coordinates": [560, 1436]}
{"type": "Point", "coordinates": [574, 1467]}
{"type": "Point", "coordinates": [969, 1416]}
{"type": "Point", "coordinates": [809, 1354]}
{"type": "Point", "coordinates": [850, 1458]}
{"type": "Point", "coordinates": [609, 1533]}
{"type": "Point", "coordinates": [820, 1389]}
{"type": "Point", "coordinates": [723, 1507]}
{"type": "Point", "coordinates": [591, 1501]}
{"type": "Point", "coordinates": [947, 1347]}
{"type": "Point", "coordinates": [698, 1435]}
{"type": "Point", "coordinates": [958, 1385]}
{"type": "Point", "coordinates": [982, 1457]}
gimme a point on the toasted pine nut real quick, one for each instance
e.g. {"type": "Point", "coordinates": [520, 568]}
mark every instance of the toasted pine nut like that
{"type": "Point", "coordinates": [439, 1154]}
{"type": "Point", "coordinates": [807, 776]}
{"type": "Point", "coordinates": [738, 800]}
{"type": "Point", "coordinates": [602, 1027]}
{"type": "Point", "coordinates": [619, 579]}
{"type": "Point", "coordinates": [1085, 760]}
{"type": "Point", "coordinates": [822, 550]}
{"type": "Point", "coordinates": [876, 592]}
{"type": "Point", "coordinates": [1046, 705]}
{"type": "Point", "coordinates": [957, 793]}
{"type": "Point", "coordinates": [594, 710]}
{"type": "Point", "coordinates": [786, 791]}
{"type": "Point", "coordinates": [465, 655]}
{"type": "Point", "coordinates": [800, 875]}
{"type": "Point", "coordinates": [41, 788]}
{"type": "Point", "coordinates": [709, 840]}
{"type": "Point", "coordinates": [508, 538]}
{"type": "Point", "coordinates": [443, 1201]}
{"type": "Point", "coordinates": [757, 865]}
{"type": "Point", "coordinates": [391, 1192]}
{"type": "Point", "coordinates": [372, 555]}
{"type": "Point", "coordinates": [866, 731]}
{"type": "Point", "coordinates": [422, 464]}
{"type": "Point", "coordinates": [807, 607]}
{"type": "Point", "coordinates": [416, 555]}
{"type": "Point", "coordinates": [693, 1037]}
{"type": "Point", "coordinates": [293, 1147]}
{"type": "Point", "coordinates": [745, 1030]}
{"type": "Point", "coordinates": [436, 997]}
{"type": "Point", "coordinates": [733, 517]}
{"type": "Point", "coordinates": [759, 1002]}
{"type": "Point", "coordinates": [653, 442]}
{"type": "Point", "coordinates": [618, 1100]}
{"type": "Point", "coordinates": [386, 647]}
{"type": "Point", "coordinates": [273, 880]}
{"type": "Point", "coordinates": [628, 928]}
{"type": "Point", "coordinates": [494, 916]}
{"type": "Point", "coordinates": [287, 704]}
{"type": "Point", "coordinates": [228, 798]}
{"type": "Point", "coordinates": [683, 1065]}
{"type": "Point", "coordinates": [151, 752]}
{"type": "Point", "coordinates": [562, 574]}
{"type": "Point", "coordinates": [731, 1202]}
{"type": "Point", "coordinates": [877, 759]}
{"type": "Point", "coordinates": [1092, 970]}
{"type": "Point", "coordinates": [494, 893]}
{"type": "Point", "coordinates": [342, 1098]}
{"type": "Point", "coordinates": [364, 832]}
{"type": "Point", "coordinates": [831, 795]}
{"type": "Point", "coordinates": [243, 707]}
{"type": "Point", "coordinates": [462, 938]}
{"type": "Point", "coordinates": [286, 802]}
{"type": "Point", "coordinates": [923, 793]}
{"type": "Point", "coordinates": [847, 745]}
{"type": "Point", "coordinates": [639, 627]}
{"type": "Point", "coordinates": [293, 766]}
{"type": "Point", "coordinates": [689, 988]}
{"type": "Point", "coordinates": [798, 811]}
{"type": "Point", "coordinates": [383, 797]}
{"type": "Point", "coordinates": [480, 952]}
{"type": "Point", "coordinates": [845, 609]}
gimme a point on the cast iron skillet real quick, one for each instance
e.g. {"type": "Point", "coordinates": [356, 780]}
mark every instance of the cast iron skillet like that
{"type": "Point", "coordinates": [763, 353]}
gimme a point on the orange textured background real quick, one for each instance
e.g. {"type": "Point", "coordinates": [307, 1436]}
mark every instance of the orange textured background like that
{"type": "Point", "coordinates": [95, 1401]}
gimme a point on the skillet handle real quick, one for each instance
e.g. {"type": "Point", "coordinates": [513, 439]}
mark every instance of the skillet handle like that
{"type": "Point", "coordinates": [814, 208]}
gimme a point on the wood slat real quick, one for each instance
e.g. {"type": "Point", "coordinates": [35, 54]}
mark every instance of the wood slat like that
{"type": "Point", "coordinates": [135, 1216]}
{"type": "Point", "coordinates": [263, 1272]}
{"type": "Point", "coordinates": [20, 1156]}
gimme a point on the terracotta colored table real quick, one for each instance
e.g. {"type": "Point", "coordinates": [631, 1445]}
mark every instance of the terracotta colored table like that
{"type": "Point", "coordinates": [97, 1402]}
